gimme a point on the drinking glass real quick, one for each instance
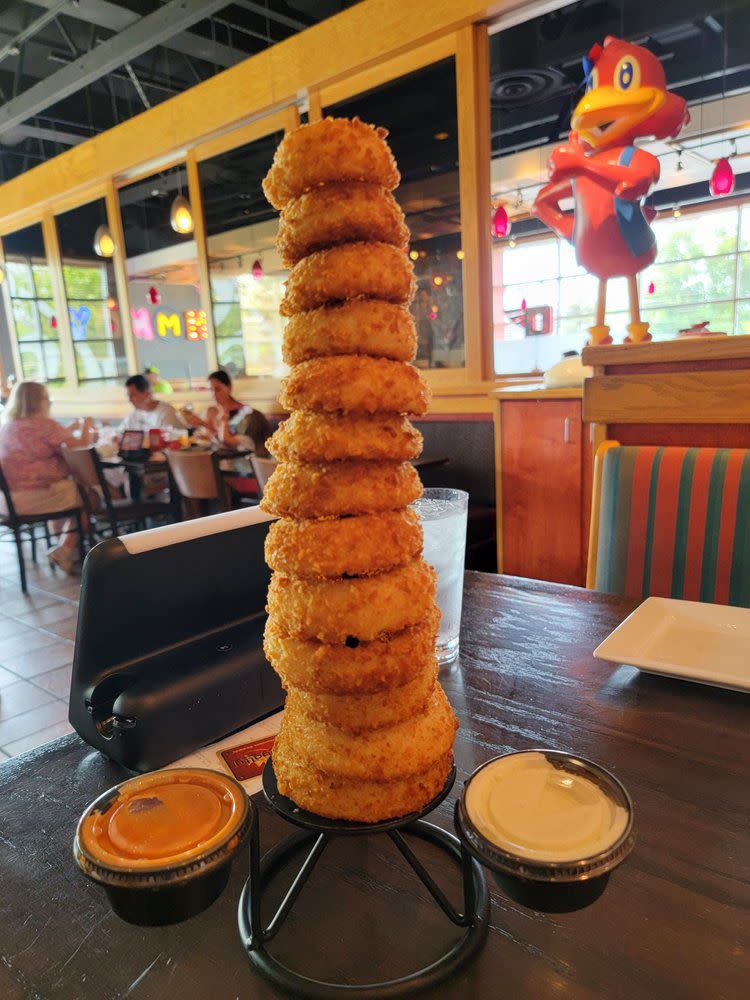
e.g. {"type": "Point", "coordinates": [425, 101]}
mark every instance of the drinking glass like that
{"type": "Point", "coordinates": [443, 513]}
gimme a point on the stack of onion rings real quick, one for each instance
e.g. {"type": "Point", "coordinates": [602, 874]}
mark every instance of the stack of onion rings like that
{"type": "Point", "coordinates": [367, 732]}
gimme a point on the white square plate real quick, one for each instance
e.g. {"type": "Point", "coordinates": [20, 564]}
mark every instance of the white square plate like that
{"type": "Point", "coordinates": [709, 643]}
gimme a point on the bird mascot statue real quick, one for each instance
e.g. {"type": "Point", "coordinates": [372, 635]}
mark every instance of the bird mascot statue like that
{"type": "Point", "coordinates": [607, 176]}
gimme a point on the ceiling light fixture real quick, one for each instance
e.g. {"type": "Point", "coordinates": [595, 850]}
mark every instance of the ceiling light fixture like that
{"type": "Point", "coordinates": [104, 245]}
{"type": "Point", "coordinates": [181, 215]}
{"type": "Point", "coordinates": [440, 136]}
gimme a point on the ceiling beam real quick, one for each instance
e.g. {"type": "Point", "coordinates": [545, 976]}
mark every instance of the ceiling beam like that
{"type": "Point", "coordinates": [108, 15]}
{"type": "Point", "coordinates": [13, 44]}
{"type": "Point", "coordinates": [13, 136]}
{"type": "Point", "coordinates": [145, 34]}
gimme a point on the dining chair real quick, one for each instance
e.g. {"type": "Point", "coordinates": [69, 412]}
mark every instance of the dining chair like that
{"type": "Point", "coordinates": [671, 522]}
{"type": "Point", "coordinates": [17, 523]}
{"type": "Point", "coordinates": [107, 514]}
{"type": "Point", "coordinates": [198, 479]}
{"type": "Point", "coordinates": [262, 467]}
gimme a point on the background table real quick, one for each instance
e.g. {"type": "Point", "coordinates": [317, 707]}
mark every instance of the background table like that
{"type": "Point", "coordinates": [673, 922]}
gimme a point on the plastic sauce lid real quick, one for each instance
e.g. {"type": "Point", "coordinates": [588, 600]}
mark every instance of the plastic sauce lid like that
{"type": "Point", "coordinates": [164, 824]}
{"type": "Point", "coordinates": [547, 816]}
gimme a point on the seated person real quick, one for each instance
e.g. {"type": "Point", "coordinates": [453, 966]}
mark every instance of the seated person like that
{"type": "Point", "coordinates": [147, 413]}
{"type": "Point", "coordinates": [158, 384]}
{"type": "Point", "coordinates": [31, 458]}
{"type": "Point", "coordinates": [232, 422]}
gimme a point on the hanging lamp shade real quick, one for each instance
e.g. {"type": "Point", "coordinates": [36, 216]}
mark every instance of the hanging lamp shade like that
{"type": "Point", "coordinates": [722, 179]}
{"type": "Point", "coordinates": [181, 215]}
{"type": "Point", "coordinates": [104, 245]}
{"type": "Point", "coordinates": [500, 222]}
{"type": "Point", "coordinates": [257, 269]}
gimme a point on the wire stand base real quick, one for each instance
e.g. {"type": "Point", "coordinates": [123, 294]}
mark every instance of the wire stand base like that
{"type": "Point", "coordinates": [316, 834]}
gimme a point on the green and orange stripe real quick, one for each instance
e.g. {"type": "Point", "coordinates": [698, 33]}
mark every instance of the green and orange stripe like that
{"type": "Point", "coordinates": [675, 522]}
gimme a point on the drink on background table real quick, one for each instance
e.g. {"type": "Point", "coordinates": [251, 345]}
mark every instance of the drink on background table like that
{"type": "Point", "coordinates": [443, 514]}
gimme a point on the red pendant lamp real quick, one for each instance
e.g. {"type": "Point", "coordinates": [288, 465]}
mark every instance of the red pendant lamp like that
{"type": "Point", "coordinates": [722, 179]}
{"type": "Point", "coordinates": [500, 222]}
{"type": "Point", "coordinates": [257, 269]}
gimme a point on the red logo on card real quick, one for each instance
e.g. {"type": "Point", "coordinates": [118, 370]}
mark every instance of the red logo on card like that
{"type": "Point", "coordinates": [248, 759]}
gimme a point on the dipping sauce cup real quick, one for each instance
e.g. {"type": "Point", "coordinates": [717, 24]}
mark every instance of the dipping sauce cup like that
{"type": "Point", "coordinates": [549, 825]}
{"type": "Point", "coordinates": [162, 844]}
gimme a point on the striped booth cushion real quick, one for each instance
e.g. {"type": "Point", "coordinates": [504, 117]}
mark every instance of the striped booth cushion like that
{"type": "Point", "coordinates": [675, 522]}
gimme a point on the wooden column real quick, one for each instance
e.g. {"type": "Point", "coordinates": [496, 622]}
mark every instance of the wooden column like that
{"type": "Point", "coordinates": [54, 262]}
{"type": "Point", "coordinates": [474, 151]}
{"type": "Point", "coordinates": [199, 233]}
{"type": "Point", "coordinates": [114, 221]}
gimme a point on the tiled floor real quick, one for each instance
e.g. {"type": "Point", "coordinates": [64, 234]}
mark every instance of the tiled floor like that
{"type": "Point", "coordinates": [36, 652]}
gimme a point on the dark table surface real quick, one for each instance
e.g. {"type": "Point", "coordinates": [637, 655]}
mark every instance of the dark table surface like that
{"type": "Point", "coordinates": [673, 923]}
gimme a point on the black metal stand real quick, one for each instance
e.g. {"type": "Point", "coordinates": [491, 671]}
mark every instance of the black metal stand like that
{"type": "Point", "coordinates": [316, 833]}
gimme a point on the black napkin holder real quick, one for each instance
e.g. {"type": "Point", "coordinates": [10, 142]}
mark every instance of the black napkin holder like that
{"type": "Point", "coordinates": [169, 647]}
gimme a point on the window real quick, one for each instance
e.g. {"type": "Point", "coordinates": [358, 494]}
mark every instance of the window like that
{"type": "Point", "coordinates": [246, 273]}
{"type": "Point", "coordinates": [90, 291]}
{"type": "Point", "coordinates": [420, 113]}
{"type": "Point", "coordinates": [166, 311]}
{"type": "Point", "coordinates": [30, 306]}
{"type": "Point", "coordinates": [543, 302]}
{"type": "Point", "coordinates": [701, 274]}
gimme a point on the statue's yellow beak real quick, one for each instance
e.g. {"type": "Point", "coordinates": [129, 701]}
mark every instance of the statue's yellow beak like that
{"type": "Point", "coordinates": [605, 114]}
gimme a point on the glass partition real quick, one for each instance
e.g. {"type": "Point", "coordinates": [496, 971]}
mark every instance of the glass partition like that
{"type": "Point", "coordinates": [30, 307]}
{"type": "Point", "coordinates": [167, 317]}
{"type": "Point", "coordinates": [420, 113]}
{"type": "Point", "coordinates": [91, 294]}
{"type": "Point", "coordinates": [246, 274]}
{"type": "Point", "coordinates": [544, 302]}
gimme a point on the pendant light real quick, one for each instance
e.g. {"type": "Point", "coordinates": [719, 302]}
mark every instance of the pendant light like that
{"type": "Point", "coordinates": [500, 222]}
{"type": "Point", "coordinates": [257, 270]}
{"type": "Point", "coordinates": [104, 245]}
{"type": "Point", "coordinates": [181, 216]}
{"type": "Point", "coordinates": [722, 179]}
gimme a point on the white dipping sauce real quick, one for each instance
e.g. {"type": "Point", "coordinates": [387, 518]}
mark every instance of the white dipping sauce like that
{"type": "Point", "coordinates": [528, 807]}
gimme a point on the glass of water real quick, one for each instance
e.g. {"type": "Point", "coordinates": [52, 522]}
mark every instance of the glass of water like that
{"type": "Point", "coordinates": [443, 514]}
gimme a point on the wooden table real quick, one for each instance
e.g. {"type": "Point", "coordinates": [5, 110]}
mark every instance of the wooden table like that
{"type": "Point", "coordinates": [672, 924]}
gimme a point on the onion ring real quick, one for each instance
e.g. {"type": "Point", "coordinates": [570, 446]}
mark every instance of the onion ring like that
{"type": "Point", "coordinates": [330, 437]}
{"type": "Point", "coordinates": [388, 662]}
{"type": "Point", "coordinates": [392, 752]}
{"type": "Point", "coordinates": [361, 801]}
{"type": "Point", "coordinates": [304, 489]}
{"type": "Point", "coordinates": [327, 548]}
{"type": "Point", "coordinates": [359, 713]}
{"type": "Point", "coordinates": [362, 326]}
{"type": "Point", "coordinates": [334, 149]}
{"type": "Point", "coordinates": [361, 608]}
{"type": "Point", "coordinates": [349, 271]}
{"type": "Point", "coordinates": [355, 384]}
{"type": "Point", "coordinates": [339, 213]}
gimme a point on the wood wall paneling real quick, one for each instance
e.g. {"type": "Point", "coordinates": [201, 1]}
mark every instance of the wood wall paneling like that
{"type": "Point", "coordinates": [542, 470]}
{"type": "Point", "coordinates": [697, 397]}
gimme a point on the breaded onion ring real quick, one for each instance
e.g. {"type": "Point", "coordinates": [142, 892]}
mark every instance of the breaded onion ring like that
{"type": "Point", "coordinates": [349, 271]}
{"type": "Point", "coordinates": [390, 661]}
{"type": "Point", "coordinates": [334, 149]}
{"type": "Point", "coordinates": [355, 384]}
{"type": "Point", "coordinates": [359, 713]}
{"type": "Point", "coordinates": [361, 608]}
{"type": "Point", "coordinates": [304, 489]}
{"type": "Point", "coordinates": [339, 213]}
{"type": "Point", "coordinates": [327, 548]}
{"type": "Point", "coordinates": [329, 437]}
{"type": "Point", "coordinates": [361, 801]}
{"type": "Point", "coordinates": [363, 326]}
{"type": "Point", "coordinates": [399, 751]}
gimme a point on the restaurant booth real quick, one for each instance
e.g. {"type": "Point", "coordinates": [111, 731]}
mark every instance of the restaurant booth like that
{"type": "Point", "coordinates": [599, 423]}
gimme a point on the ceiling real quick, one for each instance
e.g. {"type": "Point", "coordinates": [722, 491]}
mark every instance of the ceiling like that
{"type": "Point", "coordinates": [102, 55]}
{"type": "Point", "coordinates": [536, 79]}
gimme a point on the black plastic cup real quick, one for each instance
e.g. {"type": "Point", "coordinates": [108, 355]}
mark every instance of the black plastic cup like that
{"type": "Point", "coordinates": [551, 886]}
{"type": "Point", "coordinates": [156, 896]}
